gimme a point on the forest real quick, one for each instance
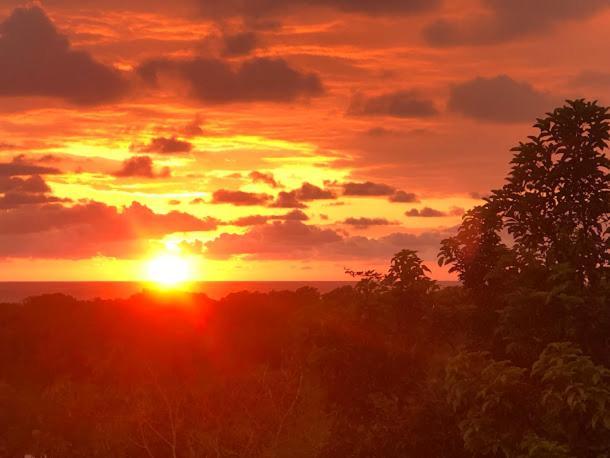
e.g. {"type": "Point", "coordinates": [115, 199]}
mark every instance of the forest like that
{"type": "Point", "coordinates": [513, 362]}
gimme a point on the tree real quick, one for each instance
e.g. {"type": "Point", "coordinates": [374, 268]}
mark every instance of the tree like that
{"type": "Point", "coordinates": [408, 275]}
{"type": "Point", "coordinates": [405, 288]}
{"type": "Point", "coordinates": [476, 251]}
{"type": "Point", "coordinates": [556, 408]}
{"type": "Point", "coordinates": [556, 203]}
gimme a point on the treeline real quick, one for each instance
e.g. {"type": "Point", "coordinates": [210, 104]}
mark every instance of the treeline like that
{"type": "Point", "coordinates": [512, 363]}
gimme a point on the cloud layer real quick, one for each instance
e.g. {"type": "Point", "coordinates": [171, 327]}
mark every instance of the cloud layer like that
{"type": "Point", "coordinates": [214, 80]}
{"type": "Point", "coordinates": [498, 99]}
{"type": "Point", "coordinates": [37, 60]}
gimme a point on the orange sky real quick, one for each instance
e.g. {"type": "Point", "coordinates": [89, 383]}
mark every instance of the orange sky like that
{"type": "Point", "coordinates": [276, 139]}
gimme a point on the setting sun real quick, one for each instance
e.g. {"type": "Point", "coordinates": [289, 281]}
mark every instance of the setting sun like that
{"type": "Point", "coordinates": [168, 270]}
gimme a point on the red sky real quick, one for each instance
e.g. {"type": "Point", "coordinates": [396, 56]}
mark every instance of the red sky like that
{"type": "Point", "coordinates": [268, 139]}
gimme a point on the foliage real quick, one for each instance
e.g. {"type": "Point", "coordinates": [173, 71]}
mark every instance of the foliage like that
{"type": "Point", "coordinates": [477, 253]}
{"type": "Point", "coordinates": [556, 203]}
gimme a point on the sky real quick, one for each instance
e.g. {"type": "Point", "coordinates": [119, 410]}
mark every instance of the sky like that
{"type": "Point", "coordinates": [269, 139]}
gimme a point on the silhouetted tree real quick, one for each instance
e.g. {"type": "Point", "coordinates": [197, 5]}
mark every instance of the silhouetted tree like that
{"type": "Point", "coordinates": [556, 203]}
{"type": "Point", "coordinates": [476, 253]}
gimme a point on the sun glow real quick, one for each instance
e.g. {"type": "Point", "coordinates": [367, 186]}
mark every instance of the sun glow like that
{"type": "Point", "coordinates": [169, 270]}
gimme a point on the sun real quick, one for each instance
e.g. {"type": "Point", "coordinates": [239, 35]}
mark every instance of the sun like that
{"type": "Point", "coordinates": [169, 270]}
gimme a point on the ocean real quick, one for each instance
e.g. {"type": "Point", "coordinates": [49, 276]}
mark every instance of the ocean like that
{"type": "Point", "coordinates": [18, 291]}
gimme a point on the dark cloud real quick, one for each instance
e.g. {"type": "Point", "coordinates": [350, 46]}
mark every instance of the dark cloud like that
{"type": "Point", "coordinates": [255, 220]}
{"type": "Point", "coordinates": [33, 184]}
{"type": "Point", "coordinates": [363, 222]}
{"type": "Point", "coordinates": [308, 192]}
{"type": "Point", "coordinates": [37, 60]}
{"type": "Point", "coordinates": [89, 229]}
{"type": "Point", "coordinates": [141, 166]}
{"type": "Point", "coordinates": [133, 221]}
{"type": "Point", "coordinates": [217, 81]}
{"type": "Point", "coordinates": [193, 128]}
{"type": "Point", "coordinates": [400, 104]}
{"type": "Point", "coordinates": [425, 212]}
{"type": "Point", "coordinates": [295, 240]}
{"type": "Point", "coordinates": [239, 198]}
{"type": "Point", "coordinates": [164, 145]}
{"type": "Point", "coordinates": [367, 188]}
{"type": "Point", "coordinates": [288, 200]}
{"type": "Point", "coordinates": [508, 20]}
{"type": "Point", "coordinates": [295, 215]}
{"type": "Point", "coordinates": [592, 79]}
{"type": "Point", "coordinates": [281, 238]}
{"type": "Point", "coordinates": [380, 132]}
{"type": "Point", "coordinates": [221, 9]}
{"type": "Point", "coordinates": [16, 190]}
{"type": "Point", "coordinates": [266, 178]}
{"type": "Point", "coordinates": [239, 44]}
{"type": "Point", "coordinates": [402, 196]}
{"type": "Point", "coordinates": [498, 99]}
{"type": "Point", "coordinates": [251, 220]}
{"type": "Point", "coordinates": [19, 167]}
{"type": "Point", "coordinates": [14, 199]}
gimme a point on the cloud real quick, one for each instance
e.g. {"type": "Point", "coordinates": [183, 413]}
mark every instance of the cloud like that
{"type": "Point", "coordinates": [360, 247]}
{"type": "Point", "coordinates": [254, 220]}
{"type": "Point", "coordinates": [239, 198]}
{"type": "Point", "coordinates": [14, 199]}
{"type": "Point", "coordinates": [141, 166]}
{"type": "Point", "coordinates": [367, 188]}
{"type": "Point", "coordinates": [33, 184]}
{"type": "Point", "coordinates": [37, 60]}
{"type": "Point", "coordinates": [295, 215]}
{"type": "Point", "coordinates": [266, 178]}
{"type": "Point", "coordinates": [295, 240]}
{"type": "Point", "coordinates": [217, 81]}
{"type": "Point", "coordinates": [132, 221]}
{"type": "Point", "coordinates": [19, 167]}
{"type": "Point", "coordinates": [498, 99]}
{"type": "Point", "coordinates": [379, 131]}
{"type": "Point", "coordinates": [239, 44]}
{"type": "Point", "coordinates": [308, 192]}
{"type": "Point", "coordinates": [399, 104]}
{"type": "Point", "coordinates": [88, 229]}
{"type": "Point", "coordinates": [288, 200]}
{"type": "Point", "coordinates": [364, 223]}
{"type": "Point", "coordinates": [251, 220]}
{"type": "Point", "coordinates": [592, 79]}
{"type": "Point", "coordinates": [425, 212]}
{"type": "Point", "coordinates": [402, 196]}
{"type": "Point", "coordinates": [17, 189]}
{"type": "Point", "coordinates": [164, 145]}
{"type": "Point", "coordinates": [222, 9]}
{"type": "Point", "coordinates": [281, 238]}
{"type": "Point", "coordinates": [504, 21]}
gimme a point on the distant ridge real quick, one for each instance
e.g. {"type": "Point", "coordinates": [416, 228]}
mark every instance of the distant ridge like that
{"type": "Point", "coordinates": [18, 291]}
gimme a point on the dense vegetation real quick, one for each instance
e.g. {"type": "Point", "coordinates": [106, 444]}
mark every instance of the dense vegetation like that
{"type": "Point", "coordinates": [513, 363]}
